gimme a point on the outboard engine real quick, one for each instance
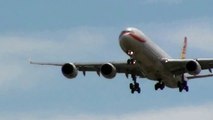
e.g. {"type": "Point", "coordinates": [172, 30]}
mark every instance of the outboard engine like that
{"type": "Point", "coordinates": [193, 67]}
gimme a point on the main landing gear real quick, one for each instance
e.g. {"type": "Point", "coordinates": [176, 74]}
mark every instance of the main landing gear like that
{"type": "Point", "coordinates": [183, 86]}
{"type": "Point", "coordinates": [159, 85]}
{"type": "Point", "coordinates": [134, 87]}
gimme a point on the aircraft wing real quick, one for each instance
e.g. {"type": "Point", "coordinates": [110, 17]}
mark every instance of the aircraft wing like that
{"type": "Point", "coordinates": [206, 63]}
{"type": "Point", "coordinates": [121, 67]}
{"type": "Point", "coordinates": [178, 66]}
{"type": "Point", "coordinates": [199, 76]}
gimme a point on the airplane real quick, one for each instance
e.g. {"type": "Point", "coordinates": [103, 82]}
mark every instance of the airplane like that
{"type": "Point", "coordinates": [146, 60]}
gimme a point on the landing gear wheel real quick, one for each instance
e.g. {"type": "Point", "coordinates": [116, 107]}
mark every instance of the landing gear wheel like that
{"type": "Point", "coordinates": [131, 86]}
{"type": "Point", "coordinates": [187, 88]}
{"type": "Point", "coordinates": [139, 90]}
{"type": "Point", "coordinates": [131, 61]}
{"type": "Point", "coordinates": [180, 86]}
{"type": "Point", "coordinates": [156, 86]}
{"type": "Point", "coordinates": [159, 85]}
{"type": "Point", "coordinates": [180, 89]}
{"type": "Point", "coordinates": [132, 91]}
{"type": "Point", "coordinates": [162, 86]}
{"type": "Point", "coordinates": [183, 86]}
{"type": "Point", "coordinates": [134, 87]}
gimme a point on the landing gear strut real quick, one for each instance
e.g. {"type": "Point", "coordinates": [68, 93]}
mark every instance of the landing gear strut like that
{"type": "Point", "coordinates": [134, 86]}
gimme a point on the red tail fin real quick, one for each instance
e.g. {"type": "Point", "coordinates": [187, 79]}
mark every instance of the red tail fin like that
{"type": "Point", "coordinates": [183, 53]}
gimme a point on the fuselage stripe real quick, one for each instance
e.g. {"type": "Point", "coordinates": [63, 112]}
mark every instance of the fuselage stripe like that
{"type": "Point", "coordinates": [137, 38]}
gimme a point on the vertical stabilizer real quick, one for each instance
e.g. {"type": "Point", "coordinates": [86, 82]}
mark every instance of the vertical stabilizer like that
{"type": "Point", "coordinates": [183, 52]}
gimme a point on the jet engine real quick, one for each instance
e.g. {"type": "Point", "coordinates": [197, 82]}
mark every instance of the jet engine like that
{"type": "Point", "coordinates": [193, 67]}
{"type": "Point", "coordinates": [69, 70]}
{"type": "Point", "coordinates": [108, 70]}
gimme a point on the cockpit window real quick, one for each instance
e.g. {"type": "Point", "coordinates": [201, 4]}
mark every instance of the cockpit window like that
{"type": "Point", "coordinates": [123, 32]}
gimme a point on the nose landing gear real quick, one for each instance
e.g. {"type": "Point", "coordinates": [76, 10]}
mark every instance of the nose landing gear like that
{"type": "Point", "coordinates": [131, 60]}
{"type": "Point", "coordinates": [134, 87]}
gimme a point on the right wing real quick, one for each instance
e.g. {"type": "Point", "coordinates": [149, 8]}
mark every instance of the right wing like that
{"type": "Point", "coordinates": [121, 67]}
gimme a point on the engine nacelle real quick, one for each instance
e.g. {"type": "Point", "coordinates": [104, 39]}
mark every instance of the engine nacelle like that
{"type": "Point", "coordinates": [193, 67]}
{"type": "Point", "coordinates": [108, 70]}
{"type": "Point", "coordinates": [69, 70]}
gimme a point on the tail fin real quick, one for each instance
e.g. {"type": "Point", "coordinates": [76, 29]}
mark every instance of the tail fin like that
{"type": "Point", "coordinates": [183, 53]}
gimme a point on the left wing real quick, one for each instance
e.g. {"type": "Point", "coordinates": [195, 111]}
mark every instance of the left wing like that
{"type": "Point", "coordinates": [121, 67]}
{"type": "Point", "coordinates": [206, 63]}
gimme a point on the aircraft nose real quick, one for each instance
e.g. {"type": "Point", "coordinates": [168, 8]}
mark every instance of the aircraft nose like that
{"type": "Point", "coordinates": [126, 34]}
{"type": "Point", "coordinates": [123, 33]}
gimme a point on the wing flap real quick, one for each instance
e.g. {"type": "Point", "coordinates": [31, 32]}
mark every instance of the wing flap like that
{"type": "Point", "coordinates": [120, 67]}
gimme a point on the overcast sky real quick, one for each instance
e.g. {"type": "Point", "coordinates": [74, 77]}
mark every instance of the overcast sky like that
{"type": "Point", "coordinates": [87, 31]}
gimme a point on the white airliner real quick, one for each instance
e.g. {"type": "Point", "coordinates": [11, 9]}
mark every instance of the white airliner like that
{"type": "Point", "coordinates": [147, 60]}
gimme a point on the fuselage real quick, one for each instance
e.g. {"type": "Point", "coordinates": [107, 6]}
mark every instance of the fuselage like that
{"type": "Point", "coordinates": [148, 56]}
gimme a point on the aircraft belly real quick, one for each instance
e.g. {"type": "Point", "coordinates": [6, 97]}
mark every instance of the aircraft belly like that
{"type": "Point", "coordinates": [154, 70]}
{"type": "Point", "coordinates": [170, 80]}
{"type": "Point", "coordinates": [147, 61]}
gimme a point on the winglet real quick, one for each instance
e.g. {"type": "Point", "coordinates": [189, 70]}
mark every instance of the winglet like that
{"type": "Point", "coordinates": [30, 61]}
{"type": "Point", "coordinates": [183, 53]}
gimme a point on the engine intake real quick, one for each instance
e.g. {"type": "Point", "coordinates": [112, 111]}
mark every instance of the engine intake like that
{"type": "Point", "coordinates": [69, 70]}
{"type": "Point", "coordinates": [193, 67]}
{"type": "Point", "coordinates": [108, 70]}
